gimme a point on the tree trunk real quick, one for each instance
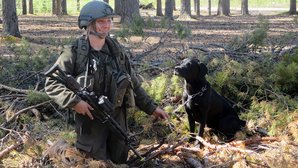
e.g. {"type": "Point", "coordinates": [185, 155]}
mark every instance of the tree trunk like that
{"type": "Point", "coordinates": [117, 7]}
{"type": "Point", "coordinates": [185, 11]}
{"type": "Point", "coordinates": [293, 7]}
{"type": "Point", "coordinates": [223, 7]}
{"type": "Point", "coordinates": [228, 7]}
{"type": "Point", "coordinates": [169, 9]}
{"type": "Point", "coordinates": [174, 5]}
{"type": "Point", "coordinates": [64, 7]}
{"type": "Point", "coordinates": [244, 7]}
{"type": "Point", "coordinates": [54, 7]}
{"type": "Point", "coordinates": [158, 8]}
{"type": "Point", "coordinates": [24, 7]}
{"type": "Point", "coordinates": [209, 7]}
{"type": "Point", "coordinates": [197, 7]}
{"type": "Point", "coordinates": [78, 5]}
{"type": "Point", "coordinates": [129, 9]}
{"type": "Point", "coordinates": [10, 19]}
{"type": "Point", "coordinates": [57, 7]}
{"type": "Point", "coordinates": [31, 7]}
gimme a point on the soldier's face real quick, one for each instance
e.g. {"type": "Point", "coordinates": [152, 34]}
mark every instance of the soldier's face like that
{"type": "Point", "coordinates": [103, 25]}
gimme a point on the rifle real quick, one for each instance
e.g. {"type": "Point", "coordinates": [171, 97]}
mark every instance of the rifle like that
{"type": "Point", "coordinates": [101, 105]}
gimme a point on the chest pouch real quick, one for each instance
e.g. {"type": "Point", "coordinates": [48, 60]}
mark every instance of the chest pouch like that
{"type": "Point", "coordinates": [124, 90]}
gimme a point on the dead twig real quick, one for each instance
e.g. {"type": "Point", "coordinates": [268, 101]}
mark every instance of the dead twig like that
{"type": "Point", "coordinates": [153, 48]}
{"type": "Point", "coordinates": [165, 150]}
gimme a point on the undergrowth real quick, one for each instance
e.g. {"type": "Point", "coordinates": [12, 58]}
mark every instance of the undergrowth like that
{"type": "Point", "coordinates": [264, 88]}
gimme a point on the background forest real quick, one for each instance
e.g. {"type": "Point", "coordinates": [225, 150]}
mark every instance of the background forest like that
{"type": "Point", "coordinates": [252, 60]}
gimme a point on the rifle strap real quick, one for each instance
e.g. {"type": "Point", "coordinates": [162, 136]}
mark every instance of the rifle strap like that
{"type": "Point", "coordinates": [83, 51]}
{"type": "Point", "coordinates": [83, 47]}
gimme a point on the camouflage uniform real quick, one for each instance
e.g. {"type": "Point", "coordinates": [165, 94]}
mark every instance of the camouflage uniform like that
{"type": "Point", "coordinates": [95, 137]}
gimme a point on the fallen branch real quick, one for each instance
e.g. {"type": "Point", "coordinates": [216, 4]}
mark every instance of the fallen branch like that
{"type": "Point", "coordinates": [226, 146]}
{"type": "Point", "coordinates": [24, 110]}
{"type": "Point", "coordinates": [253, 140]}
{"type": "Point", "coordinates": [13, 89]}
{"type": "Point", "coordinates": [10, 148]}
{"type": "Point", "coordinates": [132, 161]}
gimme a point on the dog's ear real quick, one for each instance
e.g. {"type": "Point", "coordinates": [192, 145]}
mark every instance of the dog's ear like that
{"type": "Point", "coordinates": [203, 69]}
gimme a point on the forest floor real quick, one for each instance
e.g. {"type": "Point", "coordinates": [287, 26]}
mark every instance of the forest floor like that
{"type": "Point", "coordinates": [160, 45]}
{"type": "Point", "coordinates": [45, 31]}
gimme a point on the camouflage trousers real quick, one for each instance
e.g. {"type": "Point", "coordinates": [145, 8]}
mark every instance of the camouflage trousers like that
{"type": "Point", "coordinates": [99, 141]}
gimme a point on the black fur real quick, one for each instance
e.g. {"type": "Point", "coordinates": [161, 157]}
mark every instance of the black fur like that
{"type": "Point", "coordinates": [204, 104]}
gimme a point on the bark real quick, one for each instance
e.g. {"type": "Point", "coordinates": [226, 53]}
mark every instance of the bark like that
{"type": "Point", "coordinates": [197, 7]}
{"type": "Point", "coordinates": [57, 7]}
{"type": "Point", "coordinates": [31, 7]}
{"type": "Point", "coordinates": [24, 7]}
{"type": "Point", "coordinates": [209, 7]}
{"type": "Point", "coordinates": [293, 7]}
{"type": "Point", "coordinates": [223, 7]}
{"type": "Point", "coordinates": [169, 9]}
{"type": "Point", "coordinates": [64, 7]}
{"type": "Point", "coordinates": [117, 7]}
{"type": "Point", "coordinates": [129, 9]}
{"type": "Point", "coordinates": [158, 8]}
{"type": "Point", "coordinates": [174, 5]}
{"type": "Point", "coordinates": [10, 19]}
{"type": "Point", "coordinates": [185, 11]}
{"type": "Point", "coordinates": [54, 7]}
{"type": "Point", "coordinates": [244, 7]}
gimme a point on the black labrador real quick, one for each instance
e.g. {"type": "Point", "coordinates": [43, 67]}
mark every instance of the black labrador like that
{"type": "Point", "coordinates": [203, 104]}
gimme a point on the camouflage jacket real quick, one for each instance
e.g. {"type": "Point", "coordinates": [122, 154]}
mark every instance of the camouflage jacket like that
{"type": "Point", "coordinates": [104, 71]}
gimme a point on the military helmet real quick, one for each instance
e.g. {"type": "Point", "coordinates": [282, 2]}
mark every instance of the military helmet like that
{"type": "Point", "coordinates": [92, 11]}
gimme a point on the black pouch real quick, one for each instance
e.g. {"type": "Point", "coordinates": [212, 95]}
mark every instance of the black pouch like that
{"type": "Point", "coordinates": [83, 124]}
{"type": "Point", "coordinates": [124, 90]}
{"type": "Point", "coordinates": [86, 148]}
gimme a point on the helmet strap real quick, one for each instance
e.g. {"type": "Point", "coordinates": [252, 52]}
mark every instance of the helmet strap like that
{"type": "Point", "coordinates": [99, 35]}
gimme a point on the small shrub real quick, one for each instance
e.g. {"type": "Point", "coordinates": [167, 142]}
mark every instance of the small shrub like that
{"type": "Point", "coordinates": [164, 22]}
{"type": "Point", "coordinates": [254, 39]}
{"type": "Point", "coordinates": [27, 63]}
{"type": "Point", "coordinates": [36, 97]}
{"type": "Point", "coordinates": [176, 86]}
{"type": "Point", "coordinates": [156, 88]}
{"type": "Point", "coordinates": [286, 74]}
{"type": "Point", "coordinates": [181, 31]}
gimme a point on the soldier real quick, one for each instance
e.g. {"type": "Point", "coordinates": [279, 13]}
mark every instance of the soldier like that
{"type": "Point", "coordinates": [99, 63]}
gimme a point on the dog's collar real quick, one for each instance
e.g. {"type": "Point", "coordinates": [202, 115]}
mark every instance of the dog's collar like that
{"type": "Point", "coordinates": [199, 93]}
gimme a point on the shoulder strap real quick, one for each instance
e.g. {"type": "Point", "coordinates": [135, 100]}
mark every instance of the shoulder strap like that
{"type": "Point", "coordinates": [82, 51]}
{"type": "Point", "coordinates": [117, 52]}
{"type": "Point", "coordinates": [83, 47]}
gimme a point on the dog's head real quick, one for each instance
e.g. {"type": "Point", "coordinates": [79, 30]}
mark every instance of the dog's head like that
{"type": "Point", "coordinates": [191, 69]}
